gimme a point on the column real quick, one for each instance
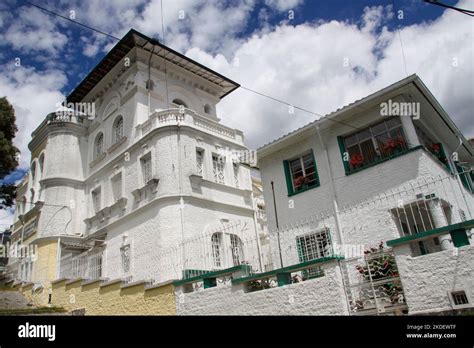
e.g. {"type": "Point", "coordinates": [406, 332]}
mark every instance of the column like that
{"type": "Point", "coordinates": [439, 220]}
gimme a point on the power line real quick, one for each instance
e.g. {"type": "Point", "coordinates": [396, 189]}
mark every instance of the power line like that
{"type": "Point", "coordinates": [401, 42]}
{"type": "Point", "coordinates": [437, 3]}
{"type": "Point", "coordinates": [72, 20]}
{"type": "Point", "coordinates": [242, 86]}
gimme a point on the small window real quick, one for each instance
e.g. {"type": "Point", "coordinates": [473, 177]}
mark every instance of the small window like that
{"type": "Point", "coordinates": [199, 161]}
{"type": "Point", "coordinates": [96, 199]}
{"type": "Point", "coordinates": [236, 248]}
{"type": "Point", "coordinates": [99, 145]}
{"type": "Point", "coordinates": [301, 173]}
{"type": "Point", "coordinates": [118, 129]}
{"type": "Point", "coordinates": [207, 109]}
{"type": "Point", "coordinates": [146, 168]}
{"type": "Point", "coordinates": [218, 166]}
{"type": "Point", "coordinates": [117, 187]}
{"type": "Point", "coordinates": [33, 173]}
{"type": "Point", "coordinates": [125, 258]}
{"type": "Point", "coordinates": [41, 164]}
{"type": "Point", "coordinates": [179, 102]}
{"type": "Point", "coordinates": [459, 298]}
{"type": "Point", "coordinates": [313, 245]}
{"type": "Point", "coordinates": [216, 240]}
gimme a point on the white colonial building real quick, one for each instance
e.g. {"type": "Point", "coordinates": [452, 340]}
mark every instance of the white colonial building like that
{"type": "Point", "coordinates": [152, 187]}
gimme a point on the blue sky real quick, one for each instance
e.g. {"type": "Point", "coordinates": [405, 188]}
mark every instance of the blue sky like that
{"type": "Point", "coordinates": [298, 60]}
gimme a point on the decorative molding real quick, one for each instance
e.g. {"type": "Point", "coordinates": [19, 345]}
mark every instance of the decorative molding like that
{"type": "Point", "coordinates": [59, 181]}
{"type": "Point", "coordinates": [117, 144]}
{"type": "Point", "coordinates": [151, 185]}
{"type": "Point", "coordinates": [97, 160]}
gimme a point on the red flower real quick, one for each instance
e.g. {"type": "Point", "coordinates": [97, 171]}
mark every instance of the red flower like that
{"type": "Point", "coordinates": [356, 159]}
{"type": "Point", "coordinates": [436, 148]}
{"type": "Point", "coordinates": [300, 181]}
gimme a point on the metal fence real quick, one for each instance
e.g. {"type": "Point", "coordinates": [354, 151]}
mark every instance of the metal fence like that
{"type": "Point", "coordinates": [87, 265]}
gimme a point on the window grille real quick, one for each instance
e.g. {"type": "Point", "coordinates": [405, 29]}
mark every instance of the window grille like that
{"type": "Point", "coordinates": [218, 165]}
{"type": "Point", "coordinates": [303, 172]}
{"type": "Point", "coordinates": [146, 168]}
{"type": "Point", "coordinates": [199, 161]}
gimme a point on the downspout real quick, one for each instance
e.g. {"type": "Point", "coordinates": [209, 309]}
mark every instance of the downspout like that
{"type": "Point", "coordinates": [255, 222]}
{"type": "Point", "coordinates": [333, 189]}
{"type": "Point", "coordinates": [458, 179]}
{"type": "Point", "coordinates": [149, 82]}
{"type": "Point", "coordinates": [277, 225]}
{"type": "Point", "coordinates": [336, 215]}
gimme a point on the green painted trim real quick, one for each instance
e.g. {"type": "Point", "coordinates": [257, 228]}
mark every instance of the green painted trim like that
{"type": "Point", "coordinates": [213, 274]}
{"type": "Point", "coordinates": [283, 279]}
{"type": "Point", "coordinates": [209, 283]}
{"type": "Point", "coordinates": [459, 238]}
{"type": "Point", "coordinates": [353, 171]}
{"type": "Point", "coordinates": [288, 269]}
{"type": "Point", "coordinates": [289, 182]}
{"type": "Point", "coordinates": [342, 148]}
{"type": "Point", "coordinates": [431, 233]}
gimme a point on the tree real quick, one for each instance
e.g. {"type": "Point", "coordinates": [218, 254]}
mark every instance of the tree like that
{"type": "Point", "coordinates": [8, 152]}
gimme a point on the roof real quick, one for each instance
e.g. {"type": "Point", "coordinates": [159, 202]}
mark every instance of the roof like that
{"type": "Point", "coordinates": [136, 39]}
{"type": "Point", "coordinates": [414, 79]}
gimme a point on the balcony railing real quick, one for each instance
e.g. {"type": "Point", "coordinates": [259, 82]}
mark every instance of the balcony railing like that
{"type": "Point", "coordinates": [87, 265]}
{"type": "Point", "coordinates": [188, 118]}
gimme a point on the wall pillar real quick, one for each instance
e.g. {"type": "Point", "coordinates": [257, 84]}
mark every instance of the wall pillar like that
{"type": "Point", "coordinates": [439, 220]}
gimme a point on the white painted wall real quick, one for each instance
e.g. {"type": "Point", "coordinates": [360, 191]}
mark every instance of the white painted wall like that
{"type": "Point", "coordinates": [320, 296]}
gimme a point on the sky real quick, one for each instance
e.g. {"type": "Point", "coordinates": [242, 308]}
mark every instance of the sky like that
{"type": "Point", "coordinates": [316, 54]}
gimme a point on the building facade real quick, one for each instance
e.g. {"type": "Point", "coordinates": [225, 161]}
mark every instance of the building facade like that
{"type": "Point", "coordinates": [141, 187]}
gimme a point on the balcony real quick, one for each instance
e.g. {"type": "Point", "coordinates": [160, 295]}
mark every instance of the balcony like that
{"type": "Point", "coordinates": [188, 118]}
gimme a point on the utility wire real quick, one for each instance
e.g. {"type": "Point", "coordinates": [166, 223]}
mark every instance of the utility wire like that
{"type": "Point", "coordinates": [401, 41]}
{"type": "Point", "coordinates": [437, 3]}
{"type": "Point", "coordinates": [243, 87]}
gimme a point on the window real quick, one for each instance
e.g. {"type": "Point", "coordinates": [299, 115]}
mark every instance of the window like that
{"type": "Point", "coordinates": [146, 168]}
{"type": "Point", "coordinates": [96, 198]}
{"type": "Point", "coordinates": [117, 187]}
{"type": "Point", "coordinates": [313, 245]}
{"type": "Point", "coordinates": [179, 102]}
{"type": "Point", "coordinates": [301, 173]}
{"type": "Point", "coordinates": [218, 165]}
{"type": "Point", "coordinates": [374, 143]}
{"type": "Point", "coordinates": [99, 145]}
{"type": "Point", "coordinates": [414, 218]}
{"type": "Point", "coordinates": [199, 161]}
{"type": "Point", "coordinates": [125, 258]}
{"type": "Point", "coordinates": [33, 173]}
{"type": "Point", "coordinates": [216, 240]}
{"type": "Point", "coordinates": [236, 174]}
{"type": "Point", "coordinates": [236, 248]}
{"type": "Point", "coordinates": [459, 298]}
{"type": "Point", "coordinates": [207, 109]}
{"type": "Point", "coordinates": [118, 129]}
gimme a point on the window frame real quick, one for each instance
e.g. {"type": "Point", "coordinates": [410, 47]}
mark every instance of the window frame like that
{"type": "Point", "coordinates": [219, 161]}
{"type": "Point", "coordinates": [144, 169]}
{"type": "Point", "coordinates": [117, 136]}
{"type": "Point", "coordinates": [379, 153]}
{"type": "Point", "coordinates": [98, 152]}
{"type": "Point", "coordinates": [289, 174]}
{"type": "Point", "coordinates": [200, 153]}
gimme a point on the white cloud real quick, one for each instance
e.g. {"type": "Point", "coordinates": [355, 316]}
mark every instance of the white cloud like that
{"type": "Point", "coordinates": [283, 5]}
{"type": "Point", "coordinates": [304, 65]}
{"type": "Point", "coordinates": [33, 30]}
{"type": "Point", "coordinates": [33, 95]}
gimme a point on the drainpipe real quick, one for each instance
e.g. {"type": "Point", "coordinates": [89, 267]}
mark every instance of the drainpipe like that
{"type": "Point", "coordinates": [333, 189]}
{"type": "Point", "coordinates": [336, 215]}
{"type": "Point", "coordinates": [277, 225]}
{"type": "Point", "coordinates": [255, 222]}
{"type": "Point", "coordinates": [458, 179]}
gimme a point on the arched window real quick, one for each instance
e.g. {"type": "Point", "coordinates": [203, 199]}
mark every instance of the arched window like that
{"type": "Point", "coordinates": [216, 240]}
{"type": "Point", "coordinates": [179, 102]}
{"type": "Point", "coordinates": [41, 164]}
{"type": "Point", "coordinates": [33, 173]}
{"type": "Point", "coordinates": [99, 145]}
{"type": "Point", "coordinates": [32, 198]}
{"type": "Point", "coordinates": [22, 205]}
{"type": "Point", "coordinates": [118, 129]}
{"type": "Point", "coordinates": [207, 109]}
{"type": "Point", "coordinates": [236, 249]}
